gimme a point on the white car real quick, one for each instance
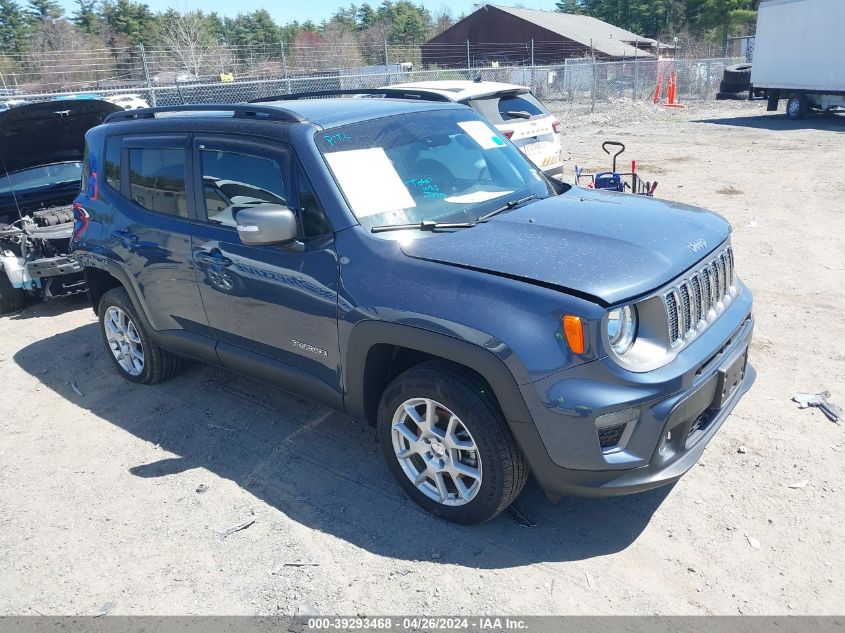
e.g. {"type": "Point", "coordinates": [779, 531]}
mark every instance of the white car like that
{"type": "Point", "coordinates": [128, 102]}
{"type": "Point", "coordinates": [512, 109]}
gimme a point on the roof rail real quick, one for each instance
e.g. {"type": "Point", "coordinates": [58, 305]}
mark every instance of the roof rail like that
{"type": "Point", "coordinates": [240, 110]}
{"type": "Point", "coordinates": [387, 93]}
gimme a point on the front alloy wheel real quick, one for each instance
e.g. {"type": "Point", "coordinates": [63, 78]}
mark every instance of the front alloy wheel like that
{"type": "Point", "coordinates": [436, 452]}
{"type": "Point", "coordinates": [448, 444]}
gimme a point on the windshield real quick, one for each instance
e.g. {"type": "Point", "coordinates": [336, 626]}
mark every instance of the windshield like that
{"type": "Point", "coordinates": [443, 166]}
{"type": "Point", "coordinates": [41, 176]}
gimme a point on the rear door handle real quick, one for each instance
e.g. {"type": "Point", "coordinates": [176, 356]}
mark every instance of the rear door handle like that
{"type": "Point", "coordinates": [126, 237]}
{"type": "Point", "coordinates": [212, 259]}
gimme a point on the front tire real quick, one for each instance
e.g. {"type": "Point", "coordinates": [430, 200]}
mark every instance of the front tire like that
{"type": "Point", "coordinates": [448, 445]}
{"type": "Point", "coordinates": [135, 355]}
{"type": "Point", "coordinates": [11, 299]}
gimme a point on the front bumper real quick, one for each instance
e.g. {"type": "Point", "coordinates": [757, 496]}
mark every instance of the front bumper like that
{"type": "Point", "coordinates": [680, 407]}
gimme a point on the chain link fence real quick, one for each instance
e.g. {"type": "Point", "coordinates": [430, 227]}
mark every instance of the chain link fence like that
{"type": "Point", "coordinates": [237, 74]}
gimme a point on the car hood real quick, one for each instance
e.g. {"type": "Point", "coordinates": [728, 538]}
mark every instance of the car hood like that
{"type": "Point", "coordinates": [48, 132]}
{"type": "Point", "coordinates": [605, 247]}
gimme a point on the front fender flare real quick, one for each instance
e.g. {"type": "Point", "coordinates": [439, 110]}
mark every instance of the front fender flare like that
{"type": "Point", "coordinates": [488, 365]}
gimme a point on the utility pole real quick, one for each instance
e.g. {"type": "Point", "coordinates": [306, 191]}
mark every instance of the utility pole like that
{"type": "Point", "coordinates": [637, 68]}
{"type": "Point", "coordinates": [147, 75]}
{"type": "Point", "coordinates": [285, 65]}
{"type": "Point", "coordinates": [595, 78]}
{"type": "Point", "coordinates": [533, 86]}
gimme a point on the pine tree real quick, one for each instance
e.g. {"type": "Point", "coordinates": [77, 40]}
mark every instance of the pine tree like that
{"type": "Point", "coordinates": [14, 27]}
{"type": "Point", "coordinates": [42, 10]}
{"type": "Point", "coordinates": [86, 16]}
{"type": "Point", "coordinates": [569, 6]}
{"type": "Point", "coordinates": [132, 19]}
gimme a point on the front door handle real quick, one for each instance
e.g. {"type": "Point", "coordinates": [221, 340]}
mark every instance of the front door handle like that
{"type": "Point", "coordinates": [212, 259]}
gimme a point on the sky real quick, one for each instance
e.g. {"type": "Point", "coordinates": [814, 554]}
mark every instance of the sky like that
{"type": "Point", "coordinates": [316, 10]}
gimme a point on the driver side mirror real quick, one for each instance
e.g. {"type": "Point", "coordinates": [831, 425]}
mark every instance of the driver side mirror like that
{"type": "Point", "coordinates": [267, 224]}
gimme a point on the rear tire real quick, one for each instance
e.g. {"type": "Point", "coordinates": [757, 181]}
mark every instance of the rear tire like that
{"type": "Point", "coordinates": [128, 343]}
{"type": "Point", "coordinates": [797, 106]}
{"type": "Point", "coordinates": [462, 456]}
{"type": "Point", "coordinates": [11, 299]}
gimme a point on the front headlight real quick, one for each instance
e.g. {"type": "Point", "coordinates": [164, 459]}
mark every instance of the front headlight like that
{"type": "Point", "coordinates": [622, 328]}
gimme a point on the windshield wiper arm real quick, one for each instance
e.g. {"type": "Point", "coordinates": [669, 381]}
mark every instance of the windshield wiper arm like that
{"type": "Point", "coordinates": [425, 225]}
{"type": "Point", "coordinates": [431, 225]}
{"type": "Point", "coordinates": [506, 207]}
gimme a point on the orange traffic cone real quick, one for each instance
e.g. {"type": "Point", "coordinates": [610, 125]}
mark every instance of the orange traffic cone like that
{"type": "Point", "coordinates": [658, 90]}
{"type": "Point", "coordinates": [671, 91]}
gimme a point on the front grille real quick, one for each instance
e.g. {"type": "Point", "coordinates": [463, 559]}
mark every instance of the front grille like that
{"type": "Point", "coordinates": [611, 435]}
{"type": "Point", "coordinates": [698, 299]}
{"type": "Point", "coordinates": [672, 314]}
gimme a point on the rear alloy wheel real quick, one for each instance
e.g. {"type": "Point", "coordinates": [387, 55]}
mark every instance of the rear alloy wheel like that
{"type": "Point", "coordinates": [134, 353]}
{"type": "Point", "coordinates": [447, 443]}
{"type": "Point", "coordinates": [124, 341]}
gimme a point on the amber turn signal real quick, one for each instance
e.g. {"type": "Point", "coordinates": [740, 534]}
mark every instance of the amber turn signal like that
{"type": "Point", "coordinates": [573, 328]}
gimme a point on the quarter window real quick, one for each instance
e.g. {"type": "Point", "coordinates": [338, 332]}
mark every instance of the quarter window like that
{"type": "Point", "coordinates": [113, 163]}
{"type": "Point", "coordinates": [157, 180]}
{"type": "Point", "coordinates": [232, 182]}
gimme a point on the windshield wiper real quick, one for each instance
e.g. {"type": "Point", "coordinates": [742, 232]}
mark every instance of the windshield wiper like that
{"type": "Point", "coordinates": [513, 204]}
{"type": "Point", "coordinates": [425, 225]}
{"type": "Point", "coordinates": [431, 225]}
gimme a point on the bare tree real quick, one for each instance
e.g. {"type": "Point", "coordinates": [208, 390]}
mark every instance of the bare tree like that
{"type": "Point", "coordinates": [53, 63]}
{"type": "Point", "coordinates": [372, 41]}
{"type": "Point", "coordinates": [187, 45]}
{"type": "Point", "coordinates": [332, 49]}
{"type": "Point", "coordinates": [341, 49]}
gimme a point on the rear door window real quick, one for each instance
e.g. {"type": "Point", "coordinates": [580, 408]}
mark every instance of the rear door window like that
{"type": "Point", "coordinates": [157, 180]}
{"type": "Point", "coordinates": [509, 108]}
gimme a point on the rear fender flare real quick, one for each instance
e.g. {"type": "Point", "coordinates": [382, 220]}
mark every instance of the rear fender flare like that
{"type": "Point", "coordinates": [93, 260]}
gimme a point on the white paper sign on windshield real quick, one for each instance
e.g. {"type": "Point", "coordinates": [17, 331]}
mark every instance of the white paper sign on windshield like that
{"type": "Point", "coordinates": [482, 134]}
{"type": "Point", "coordinates": [477, 196]}
{"type": "Point", "coordinates": [369, 181]}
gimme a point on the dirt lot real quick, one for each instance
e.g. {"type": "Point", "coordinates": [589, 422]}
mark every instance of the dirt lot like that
{"type": "Point", "coordinates": [99, 499]}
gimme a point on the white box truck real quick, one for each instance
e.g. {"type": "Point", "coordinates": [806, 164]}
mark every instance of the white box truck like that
{"type": "Point", "coordinates": [798, 54]}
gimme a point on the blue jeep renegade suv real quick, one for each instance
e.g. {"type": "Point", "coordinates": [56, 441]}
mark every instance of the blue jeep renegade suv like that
{"type": "Point", "coordinates": [402, 262]}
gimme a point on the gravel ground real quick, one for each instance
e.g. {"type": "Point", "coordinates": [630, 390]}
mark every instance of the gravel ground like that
{"type": "Point", "coordinates": [115, 495]}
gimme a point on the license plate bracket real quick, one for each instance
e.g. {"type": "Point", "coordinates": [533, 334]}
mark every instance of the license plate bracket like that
{"type": "Point", "coordinates": [731, 374]}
